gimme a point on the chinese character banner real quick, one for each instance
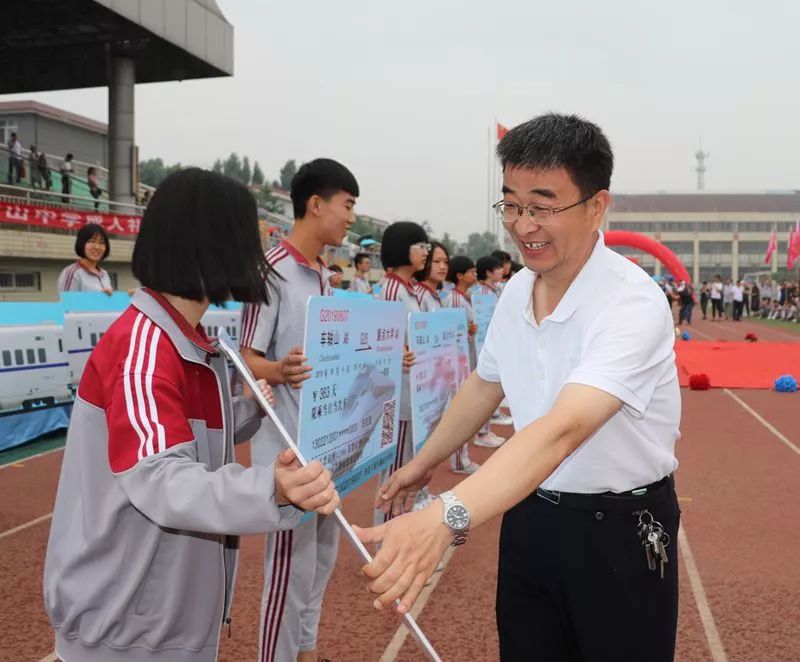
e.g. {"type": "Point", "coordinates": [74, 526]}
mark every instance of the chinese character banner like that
{"type": "Point", "coordinates": [68, 219]}
{"type": "Point", "coordinates": [440, 343]}
{"type": "Point", "coordinates": [348, 407]}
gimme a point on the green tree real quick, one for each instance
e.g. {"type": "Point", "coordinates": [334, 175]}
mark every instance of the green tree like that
{"type": "Point", "coordinates": [449, 243]}
{"type": "Point", "coordinates": [217, 167]}
{"type": "Point", "coordinates": [479, 245]}
{"type": "Point", "coordinates": [266, 200]}
{"type": "Point", "coordinates": [153, 171]}
{"type": "Point", "coordinates": [288, 172]}
{"type": "Point", "coordinates": [247, 173]}
{"type": "Point", "coordinates": [258, 174]}
{"type": "Point", "coordinates": [232, 167]}
{"type": "Point", "coordinates": [363, 226]}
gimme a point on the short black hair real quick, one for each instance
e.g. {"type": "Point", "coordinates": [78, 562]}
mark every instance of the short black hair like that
{"type": "Point", "coordinates": [503, 256]}
{"type": "Point", "coordinates": [486, 264]}
{"type": "Point", "coordinates": [460, 264]}
{"type": "Point", "coordinates": [425, 273]}
{"type": "Point", "coordinates": [199, 240]}
{"type": "Point", "coordinates": [516, 266]}
{"type": "Point", "coordinates": [336, 268]}
{"type": "Point", "coordinates": [398, 238]}
{"type": "Point", "coordinates": [85, 234]}
{"type": "Point", "coordinates": [554, 141]}
{"type": "Point", "coordinates": [362, 256]}
{"type": "Point", "coordinates": [322, 177]}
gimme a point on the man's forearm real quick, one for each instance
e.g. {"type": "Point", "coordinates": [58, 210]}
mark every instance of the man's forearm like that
{"type": "Point", "coordinates": [472, 406]}
{"type": "Point", "coordinates": [262, 367]}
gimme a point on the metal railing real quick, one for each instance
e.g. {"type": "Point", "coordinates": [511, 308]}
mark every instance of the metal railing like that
{"type": "Point", "coordinates": [55, 199]}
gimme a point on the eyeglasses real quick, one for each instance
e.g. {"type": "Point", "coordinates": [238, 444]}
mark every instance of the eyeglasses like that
{"type": "Point", "coordinates": [423, 246]}
{"type": "Point", "coordinates": [510, 212]}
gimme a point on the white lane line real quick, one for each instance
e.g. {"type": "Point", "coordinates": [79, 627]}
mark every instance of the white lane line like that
{"type": "Point", "coordinates": [399, 638]}
{"type": "Point", "coordinates": [763, 421]}
{"type": "Point", "coordinates": [23, 460]}
{"type": "Point", "coordinates": [712, 635]}
{"type": "Point", "coordinates": [27, 525]}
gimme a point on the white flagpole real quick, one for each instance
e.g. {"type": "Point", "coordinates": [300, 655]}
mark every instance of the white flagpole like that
{"type": "Point", "coordinates": [229, 349]}
{"type": "Point", "coordinates": [489, 226]}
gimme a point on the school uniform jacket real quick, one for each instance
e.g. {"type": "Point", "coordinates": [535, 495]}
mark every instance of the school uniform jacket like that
{"type": "Point", "coordinates": [142, 553]}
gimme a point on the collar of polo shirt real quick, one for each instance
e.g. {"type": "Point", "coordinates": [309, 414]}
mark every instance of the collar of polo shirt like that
{"type": "Point", "coordinates": [582, 285]}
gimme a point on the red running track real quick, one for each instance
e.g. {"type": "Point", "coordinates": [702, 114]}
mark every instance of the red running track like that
{"type": "Point", "coordinates": [740, 499]}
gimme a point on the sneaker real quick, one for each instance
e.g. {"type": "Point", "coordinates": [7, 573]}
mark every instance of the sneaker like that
{"type": "Point", "coordinates": [490, 440]}
{"type": "Point", "coordinates": [502, 420]}
{"type": "Point", "coordinates": [470, 468]}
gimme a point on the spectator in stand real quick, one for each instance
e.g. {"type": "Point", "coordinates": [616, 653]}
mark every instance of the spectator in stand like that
{"type": "Point", "coordinates": [34, 166]}
{"type": "Point", "coordinates": [737, 296]}
{"type": "Point", "coordinates": [44, 170]}
{"type": "Point", "coordinates": [336, 276]}
{"type": "Point", "coordinates": [686, 298]}
{"type": "Point", "coordinates": [716, 297]}
{"type": "Point", "coordinates": [14, 159]}
{"type": "Point", "coordinates": [704, 298]}
{"type": "Point", "coordinates": [86, 275]}
{"type": "Point", "coordinates": [94, 186]}
{"type": "Point", "coordinates": [727, 298]}
{"type": "Point", "coordinates": [66, 177]}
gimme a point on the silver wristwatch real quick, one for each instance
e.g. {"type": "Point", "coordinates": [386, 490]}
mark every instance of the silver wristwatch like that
{"type": "Point", "coordinates": [455, 517]}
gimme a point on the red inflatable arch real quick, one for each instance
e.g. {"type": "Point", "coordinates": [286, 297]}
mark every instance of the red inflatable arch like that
{"type": "Point", "coordinates": [651, 246]}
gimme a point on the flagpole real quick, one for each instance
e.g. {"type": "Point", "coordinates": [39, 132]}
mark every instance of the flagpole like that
{"type": "Point", "coordinates": [489, 226]}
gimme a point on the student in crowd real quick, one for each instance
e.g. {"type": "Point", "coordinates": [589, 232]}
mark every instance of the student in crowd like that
{"type": "Point", "coordinates": [737, 294]}
{"type": "Point", "coordinates": [505, 260]}
{"type": "Point", "coordinates": [685, 293]}
{"type": "Point", "coordinates": [704, 292]}
{"type": "Point", "coordinates": [143, 543]}
{"type": "Point", "coordinates": [490, 275]}
{"type": "Point", "coordinates": [360, 282]}
{"type": "Point", "coordinates": [727, 298]}
{"type": "Point", "coordinates": [34, 161]}
{"type": "Point", "coordinates": [430, 279]}
{"type": "Point", "coordinates": [86, 275]}
{"type": "Point", "coordinates": [298, 563]}
{"type": "Point", "coordinates": [404, 250]}
{"type": "Point", "coordinates": [14, 159]}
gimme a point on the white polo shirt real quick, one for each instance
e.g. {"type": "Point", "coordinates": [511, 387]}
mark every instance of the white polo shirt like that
{"type": "Point", "coordinates": [612, 330]}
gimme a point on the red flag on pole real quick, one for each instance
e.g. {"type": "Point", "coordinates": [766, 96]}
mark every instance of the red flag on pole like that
{"type": "Point", "coordinates": [772, 246]}
{"type": "Point", "coordinates": [501, 131]}
{"type": "Point", "coordinates": [793, 248]}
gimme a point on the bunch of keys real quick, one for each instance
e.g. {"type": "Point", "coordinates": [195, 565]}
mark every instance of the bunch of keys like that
{"type": "Point", "coordinates": [655, 541]}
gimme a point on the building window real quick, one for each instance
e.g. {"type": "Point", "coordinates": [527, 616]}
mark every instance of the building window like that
{"type": "Point", "coordinates": [18, 359]}
{"type": "Point", "coordinates": [7, 127]}
{"type": "Point", "coordinates": [20, 280]}
{"type": "Point", "coordinates": [6, 358]}
{"type": "Point", "coordinates": [42, 356]}
{"type": "Point", "coordinates": [93, 339]}
{"type": "Point", "coordinates": [31, 356]}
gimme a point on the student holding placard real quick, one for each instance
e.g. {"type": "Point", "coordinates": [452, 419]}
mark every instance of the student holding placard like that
{"type": "Point", "coordinates": [298, 563]}
{"type": "Point", "coordinates": [404, 249]}
{"type": "Point", "coordinates": [430, 279]}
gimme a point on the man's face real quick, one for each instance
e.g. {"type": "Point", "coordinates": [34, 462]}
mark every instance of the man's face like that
{"type": "Point", "coordinates": [563, 244]}
{"type": "Point", "coordinates": [334, 216]}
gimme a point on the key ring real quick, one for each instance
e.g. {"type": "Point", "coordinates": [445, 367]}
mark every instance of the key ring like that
{"type": "Point", "coordinates": [642, 521]}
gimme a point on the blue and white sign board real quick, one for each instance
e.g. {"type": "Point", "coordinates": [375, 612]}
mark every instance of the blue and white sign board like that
{"type": "Point", "coordinates": [440, 343]}
{"type": "Point", "coordinates": [483, 306]}
{"type": "Point", "coordinates": [349, 406]}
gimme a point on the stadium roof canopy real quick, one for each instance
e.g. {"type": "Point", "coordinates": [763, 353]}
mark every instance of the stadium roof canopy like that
{"type": "Point", "coordinates": [65, 44]}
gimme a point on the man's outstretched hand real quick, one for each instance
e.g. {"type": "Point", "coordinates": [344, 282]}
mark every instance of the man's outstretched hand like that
{"type": "Point", "coordinates": [396, 495]}
{"type": "Point", "coordinates": [412, 546]}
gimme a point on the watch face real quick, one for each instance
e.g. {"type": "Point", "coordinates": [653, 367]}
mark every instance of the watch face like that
{"type": "Point", "coordinates": [457, 517]}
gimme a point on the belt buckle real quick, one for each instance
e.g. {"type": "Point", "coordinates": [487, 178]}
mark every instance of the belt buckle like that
{"type": "Point", "coordinates": [552, 496]}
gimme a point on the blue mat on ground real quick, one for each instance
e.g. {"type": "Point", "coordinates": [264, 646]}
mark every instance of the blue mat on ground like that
{"type": "Point", "coordinates": [25, 426]}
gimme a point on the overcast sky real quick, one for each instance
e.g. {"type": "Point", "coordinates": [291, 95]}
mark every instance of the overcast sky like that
{"type": "Point", "coordinates": [404, 93]}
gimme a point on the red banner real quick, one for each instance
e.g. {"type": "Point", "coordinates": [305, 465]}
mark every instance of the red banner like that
{"type": "Point", "coordinates": [68, 219]}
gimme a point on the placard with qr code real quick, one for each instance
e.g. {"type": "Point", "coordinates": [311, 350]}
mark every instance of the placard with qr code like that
{"type": "Point", "coordinates": [349, 406]}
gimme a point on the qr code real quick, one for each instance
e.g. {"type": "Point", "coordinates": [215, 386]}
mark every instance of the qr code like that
{"type": "Point", "coordinates": [387, 426]}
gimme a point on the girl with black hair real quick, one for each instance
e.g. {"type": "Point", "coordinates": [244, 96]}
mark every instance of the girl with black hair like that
{"type": "Point", "coordinates": [429, 280]}
{"type": "Point", "coordinates": [86, 275]}
{"type": "Point", "coordinates": [143, 545]}
{"type": "Point", "coordinates": [404, 251]}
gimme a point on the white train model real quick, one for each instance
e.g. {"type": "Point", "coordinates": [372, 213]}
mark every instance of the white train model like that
{"type": "Point", "coordinates": [41, 364]}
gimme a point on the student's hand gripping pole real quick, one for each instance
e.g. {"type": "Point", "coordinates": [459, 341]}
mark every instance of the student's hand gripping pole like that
{"type": "Point", "coordinates": [227, 345]}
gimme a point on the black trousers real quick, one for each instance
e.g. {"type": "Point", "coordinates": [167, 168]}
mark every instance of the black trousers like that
{"type": "Point", "coordinates": [574, 585]}
{"type": "Point", "coordinates": [737, 310]}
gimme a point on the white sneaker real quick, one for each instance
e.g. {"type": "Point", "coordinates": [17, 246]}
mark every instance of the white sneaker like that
{"type": "Point", "coordinates": [502, 420]}
{"type": "Point", "coordinates": [470, 468]}
{"type": "Point", "coordinates": [490, 440]}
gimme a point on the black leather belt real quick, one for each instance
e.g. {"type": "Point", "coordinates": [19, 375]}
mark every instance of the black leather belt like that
{"type": "Point", "coordinates": [640, 498]}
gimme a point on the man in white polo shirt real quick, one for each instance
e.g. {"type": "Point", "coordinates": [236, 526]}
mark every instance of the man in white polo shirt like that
{"type": "Point", "coordinates": [581, 344]}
